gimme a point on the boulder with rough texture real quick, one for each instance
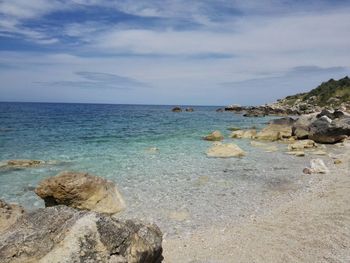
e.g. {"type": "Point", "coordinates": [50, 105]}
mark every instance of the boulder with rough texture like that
{"type": "Point", "coordinates": [301, 128]}
{"type": "Point", "coordinates": [62, 234]}
{"type": "Point", "coordinates": [302, 144]}
{"type": "Point", "coordinates": [274, 132]}
{"type": "Point", "coordinates": [228, 150]}
{"type": "Point", "coordinates": [323, 131]}
{"type": "Point", "coordinates": [214, 136]}
{"type": "Point", "coordinates": [81, 191]}
{"type": "Point", "coordinates": [245, 134]}
{"type": "Point", "coordinates": [9, 213]}
{"type": "Point", "coordinates": [283, 121]}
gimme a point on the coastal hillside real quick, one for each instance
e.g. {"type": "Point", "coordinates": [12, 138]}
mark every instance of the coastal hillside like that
{"type": "Point", "coordinates": [333, 93]}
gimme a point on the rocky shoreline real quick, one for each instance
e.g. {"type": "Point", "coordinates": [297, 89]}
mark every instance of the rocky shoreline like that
{"type": "Point", "coordinates": [78, 224]}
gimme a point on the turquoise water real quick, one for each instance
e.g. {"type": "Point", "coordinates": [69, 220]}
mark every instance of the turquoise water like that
{"type": "Point", "coordinates": [177, 187]}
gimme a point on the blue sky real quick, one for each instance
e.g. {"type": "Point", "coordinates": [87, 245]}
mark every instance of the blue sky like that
{"type": "Point", "coordinates": [170, 52]}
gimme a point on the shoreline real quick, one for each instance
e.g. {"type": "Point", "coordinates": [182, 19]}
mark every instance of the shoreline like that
{"type": "Point", "coordinates": [313, 226]}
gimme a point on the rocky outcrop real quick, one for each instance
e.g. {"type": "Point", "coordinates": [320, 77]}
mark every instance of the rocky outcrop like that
{"type": "Point", "coordinates": [244, 134]}
{"type": "Point", "coordinates": [62, 234]}
{"type": "Point", "coordinates": [9, 213]}
{"type": "Point", "coordinates": [81, 191]}
{"type": "Point", "coordinates": [176, 109]}
{"type": "Point", "coordinates": [214, 136]}
{"type": "Point", "coordinates": [189, 109]}
{"type": "Point", "coordinates": [228, 150]}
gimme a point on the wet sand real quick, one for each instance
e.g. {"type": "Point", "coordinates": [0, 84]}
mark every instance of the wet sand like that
{"type": "Point", "coordinates": [311, 227]}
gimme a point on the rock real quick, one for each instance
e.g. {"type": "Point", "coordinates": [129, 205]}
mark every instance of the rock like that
{"type": "Point", "coordinates": [297, 153]}
{"type": "Point", "coordinates": [189, 109]}
{"type": "Point", "coordinates": [307, 171]}
{"type": "Point", "coordinates": [322, 131]}
{"type": "Point", "coordinates": [302, 144]}
{"type": "Point", "coordinates": [274, 132]}
{"type": "Point", "coordinates": [181, 215]}
{"type": "Point", "coordinates": [318, 166]}
{"type": "Point", "coordinates": [337, 161]}
{"type": "Point", "coordinates": [301, 128]}
{"type": "Point", "coordinates": [214, 136]}
{"type": "Point", "coordinates": [254, 113]}
{"type": "Point", "coordinates": [319, 152]}
{"type": "Point", "coordinates": [234, 129]}
{"type": "Point", "coordinates": [62, 234]}
{"type": "Point", "coordinates": [81, 191]}
{"type": "Point", "coordinates": [176, 109]}
{"type": "Point", "coordinates": [152, 150]}
{"type": "Point", "coordinates": [225, 151]}
{"type": "Point", "coordinates": [283, 121]}
{"type": "Point", "coordinates": [21, 164]}
{"type": "Point", "coordinates": [338, 114]}
{"type": "Point", "coordinates": [326, 113]}
{"type": "Point", "coordinates": [219, 110]}
{"type": "Point", "coordinates": [325, 118]}
{"type": "Point", "coordinates": [245, 134]}
{"type": "Point", "coordinates": [9, 213]}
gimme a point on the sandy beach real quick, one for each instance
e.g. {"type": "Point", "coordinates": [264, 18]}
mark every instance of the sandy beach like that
{"type": "Point", "coordinates": [312, 227]}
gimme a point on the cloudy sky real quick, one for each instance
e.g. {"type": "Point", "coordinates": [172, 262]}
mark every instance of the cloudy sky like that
{"type": "Point", "coordinates": [170, 52]}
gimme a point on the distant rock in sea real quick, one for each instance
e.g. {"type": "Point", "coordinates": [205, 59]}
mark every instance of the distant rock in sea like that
{"type": "Point", "coordinates": [176, 109]}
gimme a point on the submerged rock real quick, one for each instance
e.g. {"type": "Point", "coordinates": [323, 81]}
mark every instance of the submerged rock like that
{"type": "Point", "coordinates": [225, 150]}
{"type": "Point", "coordinates": [297, 153]}
{"type": "Point", "coordinates": [82, 191]}
{"type": "Point", "coordinates": [9, 213]}
{"type": "Point", "coordinates": [62, 234]}
{"type": "Point", "coordinates": [214, 136]}
{"type": "Point", "coordinates": [189, 109]}
{"type": "Point", "coordinates": [21, 164]}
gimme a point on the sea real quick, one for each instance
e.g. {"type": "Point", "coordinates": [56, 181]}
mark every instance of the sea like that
{"type": "Point", "coordinates": [155, 156]}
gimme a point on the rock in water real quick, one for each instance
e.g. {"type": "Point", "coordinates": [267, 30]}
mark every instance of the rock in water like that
{"type": "Point", "coordinates": [245, 134]}
{"type": "Point", "coordinates": [318, 166]}
{"type": "Point", "coordinates": [9, 213]}
{"type": "Point", "coordinates": [189, 109]}
{"type": "Point", "coordinates": [176, 109]}
{"type": "Point", "coordinates": [82, 191]}
{"type": "Point", "coordinates": [62, 234]}
{"type": "Point", "coordinates": [225, 151]}
{"type": "Point", "coordinates": [214, 136]}
{"type": "Point", "coordinates": [21, 164]}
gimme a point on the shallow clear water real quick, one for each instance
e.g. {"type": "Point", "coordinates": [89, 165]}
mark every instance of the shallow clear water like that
{"type": "Point", "coordinates": [177, 187]}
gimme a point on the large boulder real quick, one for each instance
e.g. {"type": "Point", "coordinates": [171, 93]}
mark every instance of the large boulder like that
{"type": "Point", "coordinates": [62, 234]}
{"type": "Point", "coordinates": [9, 213]}
{"type": "Point", "coordinates": [324, 131]}
{"type": "Point", "coordinates": [228, 150]}
{"type": "Point", "coordinates": [81, 191]}
{"type": "Point", "coordinates": [245, 134]}
{"type": "Point", "coordinates": [274, 132]}
{"type": "Point", "coordinates": [214, 136]}
{"type": "Point", "coordinates": [301, 128]}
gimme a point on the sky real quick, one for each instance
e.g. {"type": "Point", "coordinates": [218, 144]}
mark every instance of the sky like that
{"type": "Point", "coordinates": [170, 52]}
